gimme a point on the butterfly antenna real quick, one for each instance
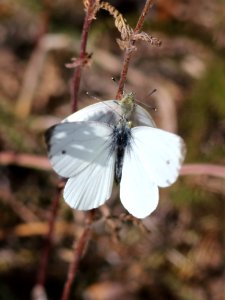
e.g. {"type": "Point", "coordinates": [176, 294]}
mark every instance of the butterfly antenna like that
{"type": "Point", "coordinates": [151, 93]}
{"type": "Point", "coordinates": [93, 97]}
{"type": "Point", "coordinates": [148, 95]}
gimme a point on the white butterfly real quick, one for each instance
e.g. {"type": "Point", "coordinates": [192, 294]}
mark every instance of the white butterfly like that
{"type": "Point", "coordinates": [95, 145]}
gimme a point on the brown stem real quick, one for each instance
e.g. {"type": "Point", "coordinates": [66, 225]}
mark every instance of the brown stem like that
{"type": "Point", "coordinates": [79, 251]}
{"type": "Point", "coordinates": [85, 237]}
{"type": "Point", "coordinates": [48, 241]}
{"type": "Point", "coordinates": [128, 51]}
{"type": "Point", "coordinates": [77, 73]}
{"type": "Point", "coordinates": [145, 11]}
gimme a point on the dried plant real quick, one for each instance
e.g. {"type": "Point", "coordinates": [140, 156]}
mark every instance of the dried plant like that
{"type": "Point", "coordinates": [120, 22]}
{"type": "Point", "coordinates": [128, 38]}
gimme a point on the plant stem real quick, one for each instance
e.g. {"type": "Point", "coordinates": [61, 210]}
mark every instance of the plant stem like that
{"type": "Point", "coordinates": [128, 51]}
{"type": "Point", "coordinates": [81, 244]}
{"type": "Point", "coordinates": [79, 250]}
{"type": "Point", "coordinates": [77, 73]}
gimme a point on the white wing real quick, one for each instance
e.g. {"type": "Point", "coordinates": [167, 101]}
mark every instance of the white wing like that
{"type": "Point", "coordinates": [141, 117]}
{"type": "Point", "coordinates": [138, 194]}
{"type": "Point", "coordinates": [74, 146]}
{"type": "Point", "coordinates": [80, 151]}
{"type": "Point", "coordinates": [160, 152]}
{"type": "Point", "coordinates": [105, 112]}
{"type": "Point", "coordinates": [110, 112]}
{"type": "Point", "coordinates": [93, 186]}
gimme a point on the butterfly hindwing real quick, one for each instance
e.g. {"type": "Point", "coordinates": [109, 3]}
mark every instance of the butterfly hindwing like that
{"type": "Point", "coordinates": [138, 193]}
{"type": "Point", "coordinates": [141, 117]}
{"type": "Point", "coordinates": [92, 186]}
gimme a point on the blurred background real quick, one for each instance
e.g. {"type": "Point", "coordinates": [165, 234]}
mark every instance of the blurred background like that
{"type": "Point", "coordinates": [176, 253]}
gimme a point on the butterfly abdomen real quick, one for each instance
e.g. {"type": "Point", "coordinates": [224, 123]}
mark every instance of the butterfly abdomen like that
{"type": "Point", "coordinates": [121, 140]}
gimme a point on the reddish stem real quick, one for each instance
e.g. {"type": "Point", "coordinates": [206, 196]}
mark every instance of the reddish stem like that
{"type": "Point", "coordinates": [128, 51]}
{"type": "Point", "coordinates": [77, 73]}
{"type": "Point", "coordinates": [85, 237]}
{"type": "Point", "coordinates": [144, 13]}
{"type": "Point", "coordinates": [79, 250]}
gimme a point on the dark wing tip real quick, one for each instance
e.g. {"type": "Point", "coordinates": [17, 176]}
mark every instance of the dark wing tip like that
{"type": "Point", "coordinates": [48, 134]}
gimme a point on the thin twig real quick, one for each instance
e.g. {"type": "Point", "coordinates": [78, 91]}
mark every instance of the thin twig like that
{"type": "Point", "coordinates": [128, 51]}
{"type": "Point", "coordinates": [79, 250]}
{"type": "Point", "coordinates": [77, 73]}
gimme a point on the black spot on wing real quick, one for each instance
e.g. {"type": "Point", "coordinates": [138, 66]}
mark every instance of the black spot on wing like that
{"type": "Point", "coordinates": [168, 182]}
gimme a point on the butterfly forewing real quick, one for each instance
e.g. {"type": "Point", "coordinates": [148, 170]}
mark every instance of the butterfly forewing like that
{"type": "Point", "coordinates": [80, 152]}
{"type": "Point", "coordinates": [74, 146]}
{"type": "Point", "coordinates": [105, 112]}
{"type": "Point", "coordinates": [111, 111]}
{"type": "Point", "coordinates": [141, 117]}
{"type": "Point", "coordinates": [160, 152]}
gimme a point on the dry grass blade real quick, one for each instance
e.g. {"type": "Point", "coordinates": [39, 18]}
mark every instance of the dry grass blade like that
{"type": "Point", "coordinates": [120, 22]}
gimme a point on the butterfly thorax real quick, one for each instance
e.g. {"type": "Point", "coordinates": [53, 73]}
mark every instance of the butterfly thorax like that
{"type": "Point", "coordinates": [127, 104]}
{"type": "Point", "coordinates": [121, 138]}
